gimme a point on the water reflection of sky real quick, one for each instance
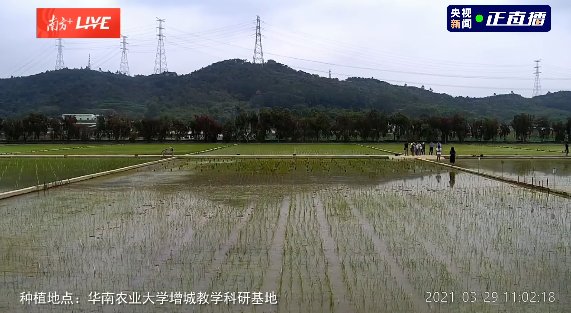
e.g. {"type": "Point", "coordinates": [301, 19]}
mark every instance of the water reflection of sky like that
{"type": "Point", "coordinates": [553, 173]}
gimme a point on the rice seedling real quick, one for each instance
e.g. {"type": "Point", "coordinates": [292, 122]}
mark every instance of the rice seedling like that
{"type": "Point", "coordinates": [298, 149]}
{"type": "Point", "coordinates": [19, 173]}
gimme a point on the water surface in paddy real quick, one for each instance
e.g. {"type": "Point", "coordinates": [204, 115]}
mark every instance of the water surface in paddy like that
{"type": "Point", "coordinates": [553, 173]}
{"type": "Point", "coordinates": [325, 242]}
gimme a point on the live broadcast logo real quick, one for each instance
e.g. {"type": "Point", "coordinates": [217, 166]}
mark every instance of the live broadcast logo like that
{"type": "Point", "coordinates": [499, 18]}
{"type": "Point", "coordinates": [78, 23]}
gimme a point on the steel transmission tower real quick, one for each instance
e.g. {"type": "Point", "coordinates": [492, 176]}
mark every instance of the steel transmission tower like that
{"type": "Point", "coordinates": [89, 61]}
{"type": "Point", "coordinates": [161, 57]}
{"type": "Point", "coordinates": [124, 67]}
{"type": "Point", "coordinates": [537, 83]}
{"type": "Point", "coordinates": [258, 53]}
{"type": "Point", "coordinates": [59, 60]}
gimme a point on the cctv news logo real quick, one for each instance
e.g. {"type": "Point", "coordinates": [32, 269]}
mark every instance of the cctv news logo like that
{"type": "Point", "coordinates": [499, 18]}
{"type": "Point", "coordinates": [78, 23]}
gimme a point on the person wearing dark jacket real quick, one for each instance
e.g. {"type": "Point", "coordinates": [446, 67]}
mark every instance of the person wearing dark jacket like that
{"type": "Point", "coordinates": [452, 155]}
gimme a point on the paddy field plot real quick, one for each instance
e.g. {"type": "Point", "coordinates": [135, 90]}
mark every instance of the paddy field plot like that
{"type": "Point", "coordinates": [17, 173]}
{"type": "Point", "coordinates": [105, 149]}
{"type": "Point", "coordinates": [486, 149]}
{"type": "Point", "coordinates": [554, 174]}
{"type": "Point", "coordinates": [323, 235]}
{"type": "Point", "coordinates": [290, 149]}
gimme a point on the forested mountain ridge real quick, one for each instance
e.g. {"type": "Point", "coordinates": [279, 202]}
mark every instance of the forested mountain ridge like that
{"type": "Point", "coordinates": [221, 88]}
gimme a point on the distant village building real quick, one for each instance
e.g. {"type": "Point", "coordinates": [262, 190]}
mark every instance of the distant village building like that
{"type": "Point", "coordinates": [83, 119]}
{"type": "Point", "coordinates": [87, 124]}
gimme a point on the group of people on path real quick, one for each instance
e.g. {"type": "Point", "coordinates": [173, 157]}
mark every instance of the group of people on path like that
{"type": "Point", "coordinates": [418, 148]}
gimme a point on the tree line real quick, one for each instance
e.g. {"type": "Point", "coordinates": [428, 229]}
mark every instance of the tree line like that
{"type": "Point", "coordinates": [284, 125]}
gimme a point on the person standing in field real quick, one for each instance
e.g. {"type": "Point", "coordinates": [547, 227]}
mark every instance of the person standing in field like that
{"type": "Point", "coordinates": [423, 148]}
{"type": "Point", "coordinates": [452, 155]}
{"type": "Point", "coordinates": [406, 148]}
{"type": "Point", "coordinates": [438, 151]}
{"type": "Point", "coordinates": [431, 147]}
{"type": "Point", "coordinates": [566, 148]}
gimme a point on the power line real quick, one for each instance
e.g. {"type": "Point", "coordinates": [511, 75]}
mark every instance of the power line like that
{"type": "Point", "coordinates": [124, 67]}
{"type": "Point", "coordinates": [410, 72]}
{"type": "Point", "coordinates": [258, 53]}
{"type": "Point", "coordinates": [299, 36]}
{"type": "Point", "coordinates": [415, 83]}
{"type": "Point", "coordinates": [161, 57]}
{"type": "Point", "coordinates": [38, 55]}
{"type": "Point", "coordinates": [537, 83]}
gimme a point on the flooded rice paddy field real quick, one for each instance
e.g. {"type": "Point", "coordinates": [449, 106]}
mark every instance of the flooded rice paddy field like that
{"type": "Point", "coordinates": [17, 173]}
{"type": "Point", "coordinates": [325, 236]}
{"type": "Point", "coordinates": [554, 173]}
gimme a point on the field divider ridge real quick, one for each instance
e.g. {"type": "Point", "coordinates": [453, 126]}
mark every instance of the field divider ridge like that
{"type": "Point", "coordinates": [503, 179]}
{"type": "Point", "coordinates": [207, 150]}
{"type": "Point", "coordinates": [285, 156]}
{"type": "Point", "coordinates": [380, 149]}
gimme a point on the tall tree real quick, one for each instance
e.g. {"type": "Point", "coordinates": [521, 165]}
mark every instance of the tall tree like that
{"type": "Point", "coordinates": [559, 131]}
{"type": "Point", "coordinates": [459, 126]}
{"type": "Point", "coordinates": [522, 125]}
{"type": "Point", "coordinates": [400, 124]}
{"type": "Point", "coordinates": [379, 124]}
{"type": "Point", "coordinates": [445, 126]}
{"type": "Point", "coordinates": [70, 127]}
{"type": "Point", "coordinates": [343, 126]}
{"type": "Point", "coordinates": [229, 131]}
{"type": "Point", "coordinates": [264, 124]}
{"type": "Point", "coordinates": [13, 129]}
{"type": "Point", "coordinates": [320, 125]}
{"type": "Point", "coordinates": [543, 127]}
{"type": "Point", "coordinates": [55, 124]}
{"type": "Point", "coordinates": [147, 128]}
{"type": "Point", "coordinates": [207, 127]}
{"type": "Point", "coordinates": [246, 125]}
{"type": "Point", "coordinates": [35, 125]}
{"type": "Point", "coordinates": [101, 127]}
{"type": "Point", "coordinates": [477, 129]}
{"type": "Point", "coordinates": [505, 130]}
{"type": "Point", "coordinates": [180, 128]}
{"type": "Point", "coordinates": [490, 129]}
{"type": "Point", "coordinates": [118, 127]}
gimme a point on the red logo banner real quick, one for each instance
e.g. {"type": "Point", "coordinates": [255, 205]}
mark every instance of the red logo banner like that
{"type": "Point", "coordinates": [78, 23]}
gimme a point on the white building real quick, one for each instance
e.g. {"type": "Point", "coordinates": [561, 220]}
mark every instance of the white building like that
{"type": "Point", "coordinates": [84, 119]}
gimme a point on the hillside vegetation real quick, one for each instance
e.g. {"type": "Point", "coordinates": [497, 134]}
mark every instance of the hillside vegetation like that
{"type": "Point", "coordinates": [221, 88]}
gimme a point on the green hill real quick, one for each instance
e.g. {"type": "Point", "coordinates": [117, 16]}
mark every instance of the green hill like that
{"type": "Point", "coordinates": [222, 87]}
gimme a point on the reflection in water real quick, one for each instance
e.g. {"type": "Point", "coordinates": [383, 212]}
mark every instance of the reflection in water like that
{"type": "Point", "coordinates": [520, 167]}
{"type": "Point", "coordinates": [452, 179]}
{"type": "Point", "coordinates": [438, 178]}
{"type": "Point", "coordinates": [553, 173]}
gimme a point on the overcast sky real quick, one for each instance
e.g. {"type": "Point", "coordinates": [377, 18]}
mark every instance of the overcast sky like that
{"type": "Point", "coordinates": [404, 41]}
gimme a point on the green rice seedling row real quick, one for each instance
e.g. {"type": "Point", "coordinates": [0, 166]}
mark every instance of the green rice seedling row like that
{"type": "Point", "coordinates": [17, 173]}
